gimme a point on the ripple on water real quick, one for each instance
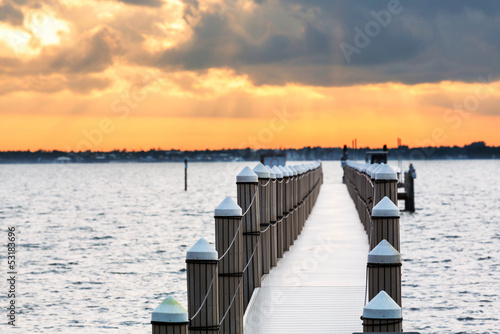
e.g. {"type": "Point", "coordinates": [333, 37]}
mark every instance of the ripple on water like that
{"type": "Point", "coordinates": [100, 258]}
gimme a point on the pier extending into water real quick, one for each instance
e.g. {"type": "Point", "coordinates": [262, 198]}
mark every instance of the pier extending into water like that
{"type": "Point", "coordinates": [262, 278]}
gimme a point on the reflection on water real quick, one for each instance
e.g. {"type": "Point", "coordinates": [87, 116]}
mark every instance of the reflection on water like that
{"type": "Point", "coordinates": [101, 245]}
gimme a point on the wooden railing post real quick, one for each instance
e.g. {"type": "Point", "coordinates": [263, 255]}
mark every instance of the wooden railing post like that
{"type": "Point", "coordinates": [386, 184]}
{"type": "Point", "coordinates": [279, 210]}
{"type": "Point", "coordinates": [169, 318]}
{"type": "Point", "coordinates": [385, 221]}
{"type": "Point", "coordinates": [382, 314]}
{"type": "Point", "coordinates": [365, 186]}
{"type": "Point", "coordinates": [202, 280]}
{"type": "Point", "coordinates": [290, 194]}
{"type": "Point", "coordinates": [229, 246]}
{"type": "Point", "coordinates": [286, 208]}
{"type": "Point", "coordinates": [308, 191]}
{"type": "Point", "coordinates": [264, 194]}
{"type": "Point", "coordinates": [299, 199]}
{"type": "Point", "coordinates": [273, 218]}
{"type": "Point", "coordinates": [302, 195]}
{"type": "Point", "coordinates": [384, 271]}
{"type": "Point", "coordinates": [248, 195]}
{"type": "Point", "coordinates": [371, 186]}
{"type": "Point", "coordinates": [295, 196]}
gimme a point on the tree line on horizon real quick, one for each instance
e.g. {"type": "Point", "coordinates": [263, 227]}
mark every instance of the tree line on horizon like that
{"type": "Point", "coordinates": [476, 150]}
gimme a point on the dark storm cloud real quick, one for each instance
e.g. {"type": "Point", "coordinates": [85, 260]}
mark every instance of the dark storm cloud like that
{"type": "Point", "coordinates": [421, 41]}
{"type": "Point", "coordinates": [94, 54]}
{"type": "Point", "coordinates": [10, 14]}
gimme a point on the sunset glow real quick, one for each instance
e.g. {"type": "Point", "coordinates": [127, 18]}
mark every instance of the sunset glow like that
{"type": "Point", "coordinates": [103, 75]}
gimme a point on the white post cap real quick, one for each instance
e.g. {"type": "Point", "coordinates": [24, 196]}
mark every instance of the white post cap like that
{"type": "Point", "coordinates": [261, 171]}
{"type": "Point", "coordinates": [369, 169]}
{"type": "Point", "coordinates": [385, 208]}
{"type": "Point", "coordinates": [382, 307]}
{"type": "Point", "coordinates": [374, 170]}
{"type": "Point", "coordinates": [384, 253]}
{"type": "Point", "coordinates": [170, 311]}
{"type": "Point", "coordinates": [284, 171]}
{"type": "Point", "coordinates": [293, 171]}
{"type": "Point", "coordinates": [228, 208]}
{"type": "Point", "coordinates": [202, 251]}
{"type": "Point", "coordinates": [385, 172]}
{"type": "Point", "coordinates": [277, 172]}
{"type": "Point", "coordinates": [272, 175]}
{"type": "Point", "coordinates": [247, 176]}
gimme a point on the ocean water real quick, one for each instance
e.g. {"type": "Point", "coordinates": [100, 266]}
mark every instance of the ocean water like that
{"type": "Point", "coordinates": [99, 246]}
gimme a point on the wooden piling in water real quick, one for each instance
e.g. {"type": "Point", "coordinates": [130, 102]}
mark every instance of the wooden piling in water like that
{"type": "Point", "coordinates": [202, 288]}
{"type": "Point", "coordinates": [382, 314]}
{"type": "Point", "coordinates": [265, 215]}
{"type": "Point", "coordinates": [229, 245]}
{"type": "Point", "coordinates": [185, 175]}
{"type": "Point", "coordinates": [409, 189]}
{"type": "Point", "coordinates": [384, 271]}
{"type": "Point", "coordinates": [385, 220]}
{"type": "Point", "coordinates": [279, 211]}
{"type": "Point", "coordinates": [248, 199]}
{"type": "Point", "coordinates": [169, 318]}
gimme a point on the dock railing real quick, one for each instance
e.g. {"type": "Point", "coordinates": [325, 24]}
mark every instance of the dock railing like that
{"type": "Point", "coordinates": [250, 235]}
{"type": "Point", "coordinates": [374, 190]}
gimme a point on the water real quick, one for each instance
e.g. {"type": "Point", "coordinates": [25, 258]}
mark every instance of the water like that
{"type": "Point", "coordinates": [100, 246]}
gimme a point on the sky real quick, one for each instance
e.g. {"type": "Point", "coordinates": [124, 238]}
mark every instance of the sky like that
{"type": "Point", "coordinates": [209, 74]}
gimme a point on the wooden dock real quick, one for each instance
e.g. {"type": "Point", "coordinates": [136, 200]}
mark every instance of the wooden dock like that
{"type": "Point", "coordinates": [292, 259]}
{"type": "Point", "coordinates": [319, 285]}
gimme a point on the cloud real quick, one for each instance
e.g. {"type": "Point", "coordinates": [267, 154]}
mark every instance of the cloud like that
{"type": "Point", "coordinates": [426, 41]}
{"type": "Point", "coordinates": [94, 54]}
{"type": "Point", "coordinates": [146, 3]}
{"type": "Point", "coordinates": [49, 84]}
{"type": "Point", "coordinates": [10, 14]}
{"type": "Point", "coordinates": [276, 42]}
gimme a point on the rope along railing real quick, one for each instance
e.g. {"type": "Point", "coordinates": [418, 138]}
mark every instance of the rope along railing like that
{"type": "Point", "coordinates": [287, 204]}
{"type": "Point", "coordinates": [373, 189]}
{"type": "Point", "coordinates": [253, 253]}
{"type": "Point", "coordinates": [255, 248]}
{"type": "Point", "coordinates": [227, 251]}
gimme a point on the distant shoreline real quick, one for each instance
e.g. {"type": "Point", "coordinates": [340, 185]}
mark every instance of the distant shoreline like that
{"type": "Point", "coordinates": [474, 151]}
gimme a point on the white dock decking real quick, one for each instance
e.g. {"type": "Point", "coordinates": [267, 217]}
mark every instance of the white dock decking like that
{"type": "Point", "coordinates": [319, 285]}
